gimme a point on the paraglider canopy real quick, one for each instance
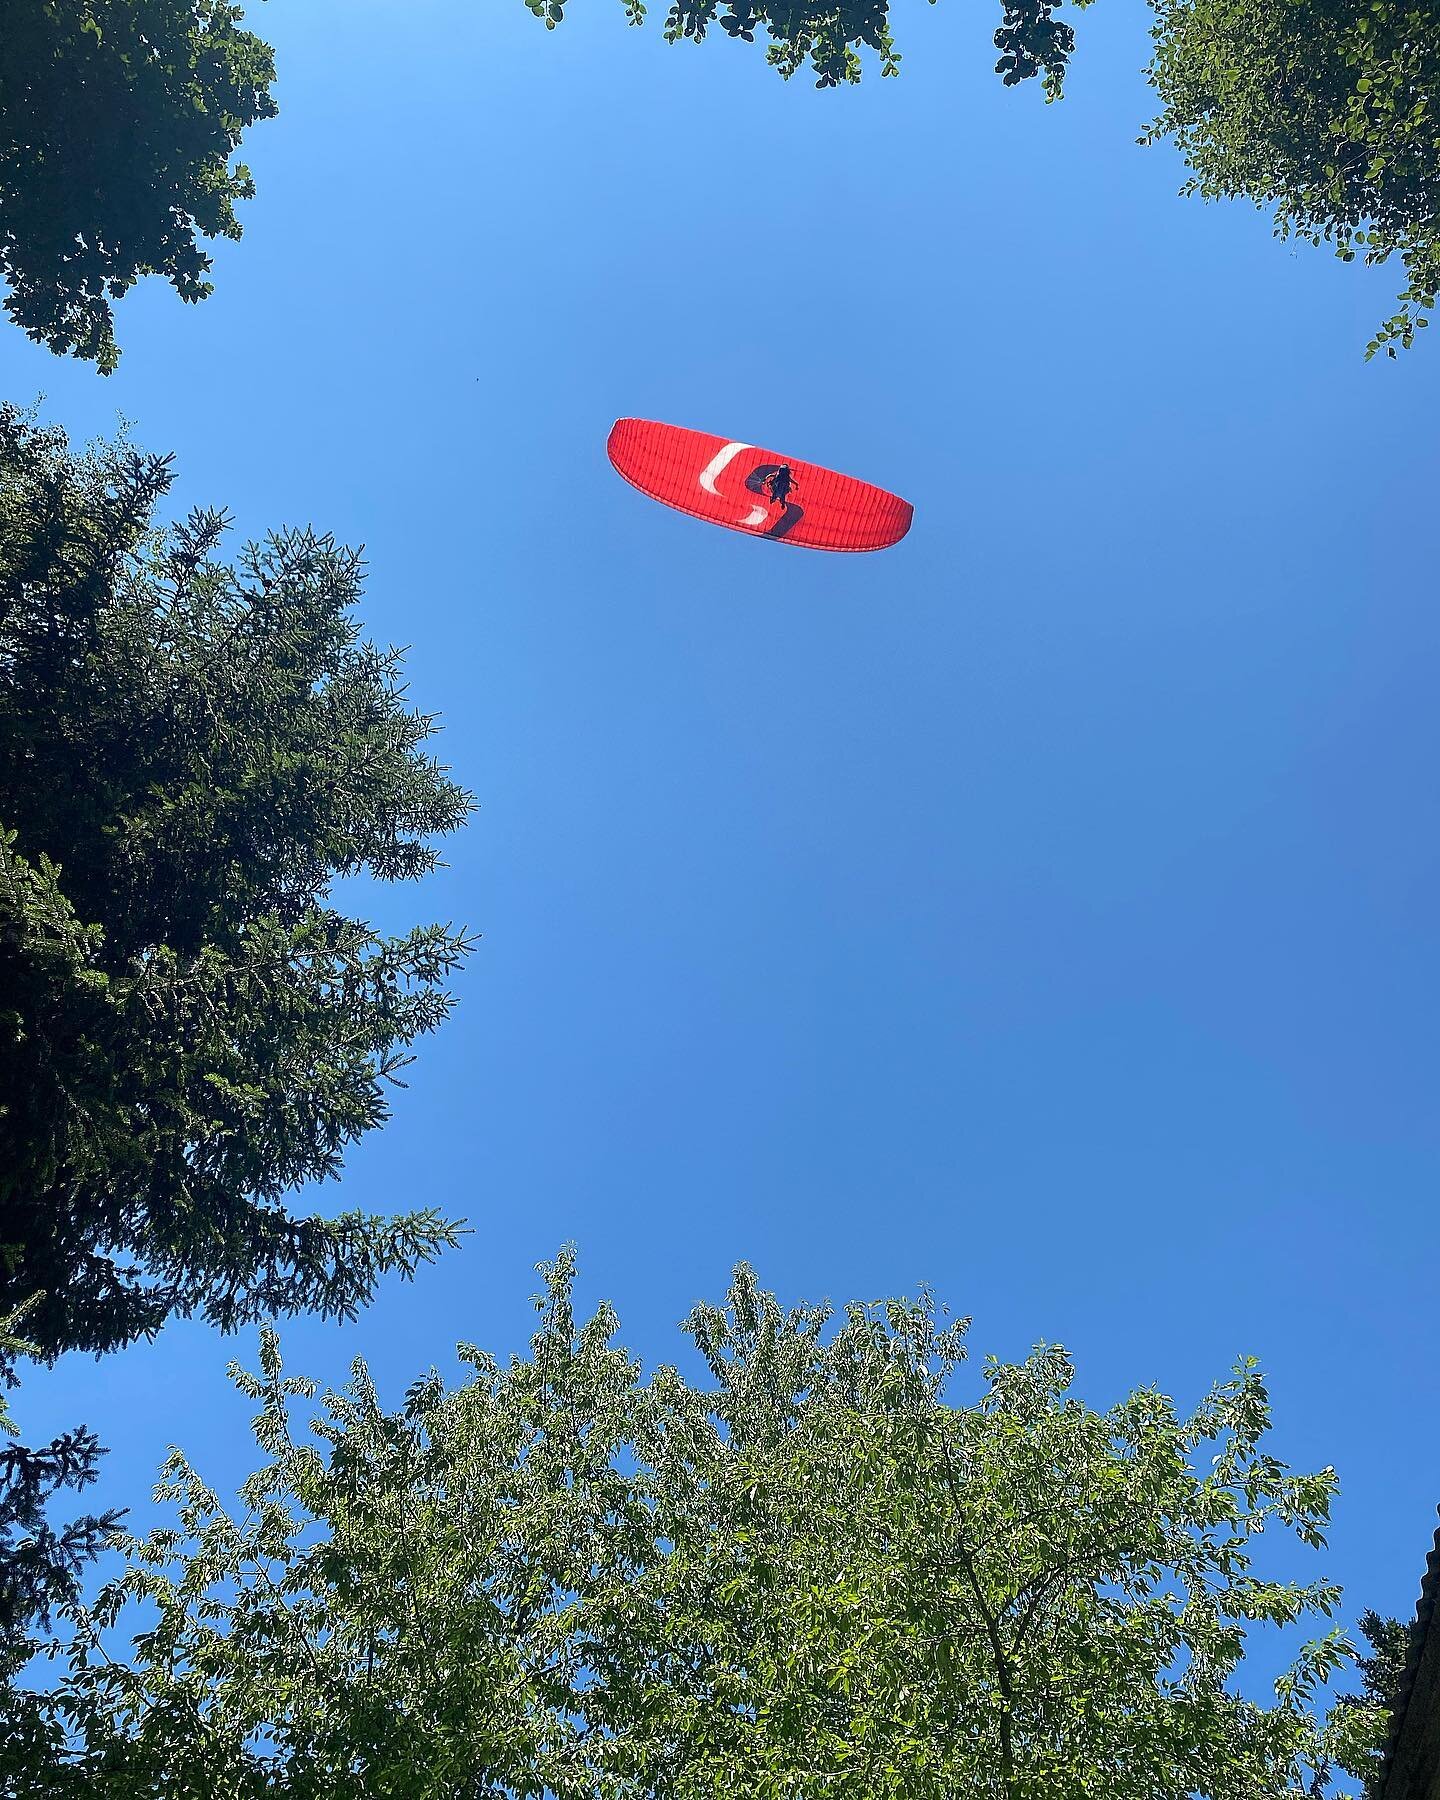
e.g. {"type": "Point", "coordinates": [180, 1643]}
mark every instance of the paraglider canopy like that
{"type": "Point", "coordinates": [729, 483]}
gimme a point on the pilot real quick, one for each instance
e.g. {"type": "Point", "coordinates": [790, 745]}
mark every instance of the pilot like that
{"type": "Point", "coordinates": [780, 483]}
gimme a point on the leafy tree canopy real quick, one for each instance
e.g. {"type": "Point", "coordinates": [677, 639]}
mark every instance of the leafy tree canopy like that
{"type": "Point", "coordinates": [1325, 112]}
{"type": "Point", "coordinates": [807, 1573]}
{"type": "Point", "coordinates": [827, 37]}
{"type": "Point", "coordinates": [190, 752]}
{"type": "Point", "coordinates": [118, 122]}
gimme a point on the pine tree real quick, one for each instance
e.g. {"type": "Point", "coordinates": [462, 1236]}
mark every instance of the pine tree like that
{"type": "Point", "coordinates": [190, 753]}
{"type": "Point", "coordinates": [39, 1565]}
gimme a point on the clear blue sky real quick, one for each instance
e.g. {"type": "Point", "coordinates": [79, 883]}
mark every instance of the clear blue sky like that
{"type": "Point", "coordinates": [1046, 910]}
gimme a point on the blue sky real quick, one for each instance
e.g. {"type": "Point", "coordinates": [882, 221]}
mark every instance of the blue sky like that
{"type": "Point", "coordinates": [1045, 910]}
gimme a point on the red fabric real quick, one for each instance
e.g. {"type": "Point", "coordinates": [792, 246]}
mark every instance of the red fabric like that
{"type": "Point", "coordinates": [691, 471]}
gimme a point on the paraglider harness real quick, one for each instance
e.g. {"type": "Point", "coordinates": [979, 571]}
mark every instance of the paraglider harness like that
{"type": "Point", "coordinates": [779, 484]}
{"type": "Point", "coordinates": [776, 481]}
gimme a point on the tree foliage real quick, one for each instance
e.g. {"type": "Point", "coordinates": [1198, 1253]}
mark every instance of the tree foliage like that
{"type": "Point", "coordinates": [828, 37]}
{"type": "Point", "coordinates": [118, 123]}
{"type": "Point", "coordinates": [808, 1573]}
{"type": "Point", "coordinates": [1361, 1722]}
{"type": "Point", "coordinates": [1327, 112]}
{"type": "Point", "coordinates": [190, 753]}
{"type": "Point", "coordinates": [39, 1565]}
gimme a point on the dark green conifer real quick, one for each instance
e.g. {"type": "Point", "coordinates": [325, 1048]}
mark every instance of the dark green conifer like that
{"type": "Point", "coordinates": [191, 752]}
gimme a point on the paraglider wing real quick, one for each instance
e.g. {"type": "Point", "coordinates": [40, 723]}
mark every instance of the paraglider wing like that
{"type": "Point", "coordinates": [756, 491]}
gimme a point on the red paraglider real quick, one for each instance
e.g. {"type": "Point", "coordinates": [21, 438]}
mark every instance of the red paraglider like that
{"type": "Point", "coordinates": [755, 491]}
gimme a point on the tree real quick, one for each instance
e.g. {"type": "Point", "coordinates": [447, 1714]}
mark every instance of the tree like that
{"type": "Point", "coordinates": [118, 122]}
{"type": "Point", "coordinates": [811, 1573]}
{"type": "Point", "coordinates": [190, 753]}
{"type": "Point", "coordinates": [1360, 1723]}
{"type": "Point", "coordinates": [827, 37]}
{"type": "Point", "coordinates": [39, 1566]}
{"type": "Point", "coordinates": [1328, 111]}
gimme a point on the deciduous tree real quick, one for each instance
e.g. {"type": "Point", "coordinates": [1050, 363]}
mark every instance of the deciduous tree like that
{"type": "Point", "coordinates": [119, 120]}
{"type": "Point", "coordinates": [813, 1572]}
{"type": "Point", "coordinates": [1326, 113]}
{"type": "Point", "coordinates": [828, 37]}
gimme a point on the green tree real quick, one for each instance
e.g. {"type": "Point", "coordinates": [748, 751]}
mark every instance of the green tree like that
{"type": "Point", "coordinates": [1327, 112]}
{"type": "Point", "coordinates": [1324, 112]}
{"type": "Point", "coordinates": [811, 1572]}
{"type": "Point", "coordinates": [118, 123]}
{"type": "Point", "coordinates": [39, 1566]}
{"type": "Point", "coordinates": [827, 37]}
{"type": "Point", "coordinates": [1360, 1723]}
{"type": "Point", "coordinates": [190, 753]}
